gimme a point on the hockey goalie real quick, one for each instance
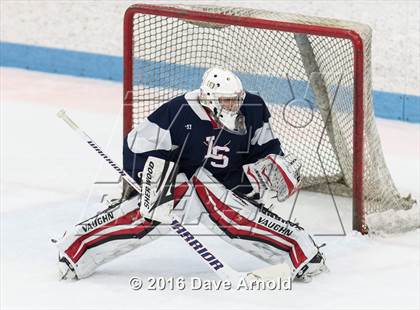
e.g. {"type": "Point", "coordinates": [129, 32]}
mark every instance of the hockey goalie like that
{"type": "Point", "coordinates": [209, 156]}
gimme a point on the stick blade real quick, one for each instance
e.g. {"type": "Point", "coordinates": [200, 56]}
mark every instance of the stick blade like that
{"type": "Point", "coordinates": [281, 271]}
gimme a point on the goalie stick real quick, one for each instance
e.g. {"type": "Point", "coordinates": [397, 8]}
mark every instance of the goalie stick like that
{"type": "Point", "coordinates": [217, 265]}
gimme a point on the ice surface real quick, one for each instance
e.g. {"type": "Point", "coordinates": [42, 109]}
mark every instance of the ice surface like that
{"type": "Point", "coordinates": [47, 174]}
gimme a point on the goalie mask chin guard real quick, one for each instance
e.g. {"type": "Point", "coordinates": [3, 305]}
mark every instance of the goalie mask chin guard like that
{"type": "Point", "coordinates": [222, 93]}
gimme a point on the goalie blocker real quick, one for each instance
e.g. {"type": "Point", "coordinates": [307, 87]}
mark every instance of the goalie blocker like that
{"type": "Point", "coordinates": [157, 186]}
{"type": "Point", "coordinates": [241, 222]}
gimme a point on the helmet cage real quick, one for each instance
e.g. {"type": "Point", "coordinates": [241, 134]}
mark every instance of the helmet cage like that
{"type": "Point", "coordinates": [219, 87]}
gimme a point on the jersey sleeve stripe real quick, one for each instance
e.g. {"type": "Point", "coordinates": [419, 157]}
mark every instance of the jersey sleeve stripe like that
{"type": "Point", "coordinates": [147, 137]}
{"type": "Point", "coordinates": [263, 135]}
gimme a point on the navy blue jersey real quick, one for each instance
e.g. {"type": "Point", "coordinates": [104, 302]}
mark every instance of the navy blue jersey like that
{"type": "Point", "coordinates": [183, 131]}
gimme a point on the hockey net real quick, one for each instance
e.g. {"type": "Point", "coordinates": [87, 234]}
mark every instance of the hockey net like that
{"type": "Point", "coordinates": [314, 74]}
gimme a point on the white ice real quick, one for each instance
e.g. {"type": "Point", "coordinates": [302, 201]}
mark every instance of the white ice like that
{"type": "Point", "coordinates": [47, 174]}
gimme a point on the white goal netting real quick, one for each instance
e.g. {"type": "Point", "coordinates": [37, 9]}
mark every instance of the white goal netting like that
{"type": "Point", "coordinates": [307, 76]}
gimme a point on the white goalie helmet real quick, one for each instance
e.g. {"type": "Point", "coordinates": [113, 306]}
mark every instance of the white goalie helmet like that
{"type": "Point", "coordinates": [222, 93]}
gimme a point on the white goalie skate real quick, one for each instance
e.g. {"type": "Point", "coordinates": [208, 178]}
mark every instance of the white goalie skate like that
{"type": "Point", "coordinates": [315, 266]}
{"type": "Point", "coordinates": [66, 270]}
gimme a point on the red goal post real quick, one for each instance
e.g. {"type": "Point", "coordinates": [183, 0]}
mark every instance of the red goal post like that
{"type": "Point", "coordinates": [157, 57]}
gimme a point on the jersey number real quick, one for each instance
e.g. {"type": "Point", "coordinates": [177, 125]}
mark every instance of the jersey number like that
{"type": "Point", "coordinates": [217, 154]}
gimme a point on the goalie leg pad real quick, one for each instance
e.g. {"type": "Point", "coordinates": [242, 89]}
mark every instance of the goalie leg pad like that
{"type": "Point", "coordinates": [251, 227]}
{"type": "Point", "coordinates": [109, 234]}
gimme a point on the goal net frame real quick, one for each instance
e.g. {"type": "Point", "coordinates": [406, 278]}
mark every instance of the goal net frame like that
{"type": "Point", "coordinates": [327, 28]}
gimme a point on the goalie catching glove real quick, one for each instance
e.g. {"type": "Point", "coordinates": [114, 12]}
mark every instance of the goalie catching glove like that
{"type": "Point", "coordinates": [275, 174]}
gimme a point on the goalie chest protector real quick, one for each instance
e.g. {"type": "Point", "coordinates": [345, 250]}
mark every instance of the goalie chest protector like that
{"type": "Point", "coordinates": [183, 131]}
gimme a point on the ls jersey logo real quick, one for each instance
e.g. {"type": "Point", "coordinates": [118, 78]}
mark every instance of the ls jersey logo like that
{"type": "Point", "coordinates": [217, 153]}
